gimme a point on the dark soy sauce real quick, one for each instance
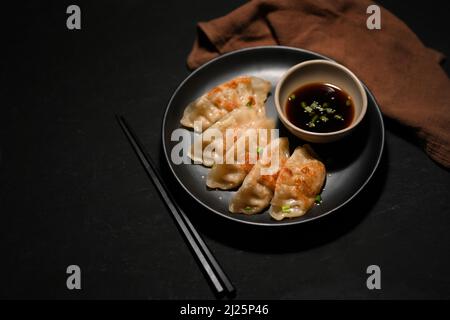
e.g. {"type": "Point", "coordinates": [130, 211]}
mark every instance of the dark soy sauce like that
{"type": "Point", "coordinates": [320, 107]}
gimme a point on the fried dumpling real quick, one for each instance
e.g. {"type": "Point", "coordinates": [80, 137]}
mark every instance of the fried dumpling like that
{"type": "Point", "coordinates": [239, 159]}
{"type": "Point", "coordinates": [299, 182]}
{"type": "Point", "coordinates": [213, 143]}
{"type": "Point", "coordinates": [242, 91]}
{"type": "Point", "coordinates": [257, 189]}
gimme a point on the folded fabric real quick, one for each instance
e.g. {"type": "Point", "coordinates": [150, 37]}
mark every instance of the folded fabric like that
{"type": "Point", "coordinates": [404, 75]}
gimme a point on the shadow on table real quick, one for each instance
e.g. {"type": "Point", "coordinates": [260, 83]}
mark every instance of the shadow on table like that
{"type": "Point", "coordinates": [280, 239]}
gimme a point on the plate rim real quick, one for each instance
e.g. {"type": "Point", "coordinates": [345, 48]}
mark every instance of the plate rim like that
{"type": "Point", "coordinates": [289, 222]}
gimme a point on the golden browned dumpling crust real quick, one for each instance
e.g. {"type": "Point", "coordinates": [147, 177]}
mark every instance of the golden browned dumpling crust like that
{"type": "Point", "coordinates": [299, 182]}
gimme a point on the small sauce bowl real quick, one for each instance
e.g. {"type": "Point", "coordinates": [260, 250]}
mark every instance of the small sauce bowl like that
{"type": "Point", "coordinates": [320, 71]}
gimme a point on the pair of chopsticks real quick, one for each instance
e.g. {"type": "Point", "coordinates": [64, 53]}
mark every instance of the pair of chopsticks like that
{"type": "Point", "coordinates": [217, 277]}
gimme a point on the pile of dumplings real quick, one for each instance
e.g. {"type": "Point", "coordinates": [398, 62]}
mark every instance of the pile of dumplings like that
{"type": "Point", "coordinates": [239, 104]}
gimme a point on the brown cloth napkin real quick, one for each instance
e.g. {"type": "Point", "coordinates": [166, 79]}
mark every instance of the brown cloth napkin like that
{"type": "Point", "coordinates": [404, 75]}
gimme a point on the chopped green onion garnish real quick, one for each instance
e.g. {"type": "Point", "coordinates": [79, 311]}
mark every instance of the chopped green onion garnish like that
{"type": "Point", "coordinates": [311, 124]}
{"type": "Point", "coordinates": [259, 149]}
{"type": "Point", "coordinates": [249, 103]}
{"type": "Point", "coordinates": [324, 118]}
{"type": "Point", "coordinates": [348, 103]}
{"type": "Point", "coordinates": [315, 105]}
{"type": "Point", "coordinates": [286, 209]}
{"type": "Point", "coordinates": [318, 199]}
{"type": "Point", "coordinates": [248, 208]}
{"type": "Point", "coordinates": [308, 109]}
{"type": "Point", "coordinates": [320, 113]}
{"type": "Point", "coordinates": [291, 97]}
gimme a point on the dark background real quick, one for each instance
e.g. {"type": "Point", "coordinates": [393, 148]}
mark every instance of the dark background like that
{"type": "Point", "coordinates": [73, 192]}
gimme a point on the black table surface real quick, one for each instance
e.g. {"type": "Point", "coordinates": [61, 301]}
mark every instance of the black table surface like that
{"type": "Point", "coordinates": [73, 192]}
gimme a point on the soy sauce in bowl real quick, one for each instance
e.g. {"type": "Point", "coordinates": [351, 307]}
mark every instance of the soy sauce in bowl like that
{"type": "Point", "coordinates": [320, 107]}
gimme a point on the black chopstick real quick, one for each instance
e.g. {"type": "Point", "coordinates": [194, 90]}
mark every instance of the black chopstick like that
{"type": "Point", "coordinates": [219, 280]}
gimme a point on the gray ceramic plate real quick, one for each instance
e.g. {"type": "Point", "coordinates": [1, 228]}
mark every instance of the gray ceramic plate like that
{"type": "Point", "coordinates": [350, 162]}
